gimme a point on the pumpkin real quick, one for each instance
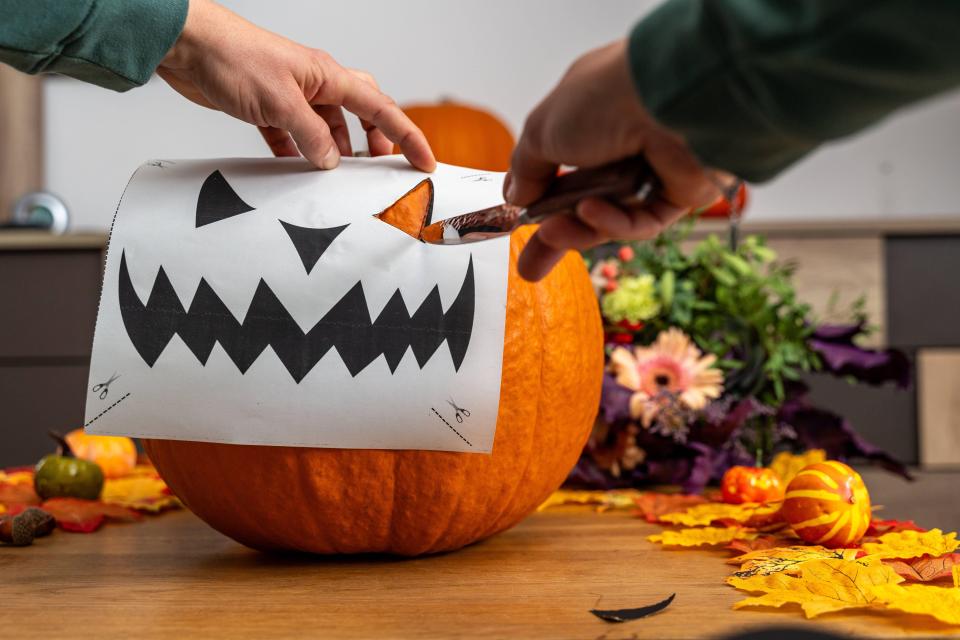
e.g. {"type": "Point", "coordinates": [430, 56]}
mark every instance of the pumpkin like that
{"type": "Point", "coordinates": [463, 135]}
{"type": "Point", "coordinates": [116, 455]}
{"type": "Point", "coordinates": [750, 484]}
{"type": "Point", "coordinates": [827, 504]}
{"type": "Point", "coordinates": [412, 502]}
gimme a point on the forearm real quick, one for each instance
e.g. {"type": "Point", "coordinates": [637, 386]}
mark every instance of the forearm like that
{"type": "Point", "coordinates": [116, 44]}
{"type": "Point", "coordinates": [754, 85]}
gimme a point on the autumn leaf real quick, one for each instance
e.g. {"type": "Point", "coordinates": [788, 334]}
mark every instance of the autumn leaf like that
{"type": "Point", "coordinates": [926, 569]}
{"type": "Point", "coordinates": [880, 527]}
{"type": "Point", "coordinates": [139, 491]}
{"type": "Point", "coordinates": [728, 514]}
{"type": "Point", "coordinates": [701, 536]}
{"type": "Point", "coordinates": [912, 544]}
{"type": "Point", "coordinates": [764, 541]}
{"type": "Point", "coordinates": [14, 493]}
{"type": "Point", "coordinates": [787, 465]}
{"type": "Point", "coordinates": [85, 516]}
{"type": "Point", "coordinates": [942, 603]}
{"type": "Point", "coordinates": [956, 576]}
{"type": "Point", "coordinates": [651, 504]}
{"type": "Point", "coordinates": [16, 477]}
{"type": "Point", "coordinates": [788, 560]}
{"type": "Point", "coordinates": [823, 586]}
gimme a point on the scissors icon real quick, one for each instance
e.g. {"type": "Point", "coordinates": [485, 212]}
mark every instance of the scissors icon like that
{"type": "Point", "coordinates": [104, 387]}
{"type": "Point", "coordinates": [460, 412]}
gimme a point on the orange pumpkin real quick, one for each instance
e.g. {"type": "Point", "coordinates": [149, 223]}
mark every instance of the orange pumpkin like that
{"type": "Point", "coordinates": [827, 504]}
{"type": "Point", "coordinates": [116, 455]}
{"type": "Point", "coordinates": [416, 502]}
{"type": "Point", "coordinates": [464, 136]}
{"type": "Point", "coordinates": [750, 484]}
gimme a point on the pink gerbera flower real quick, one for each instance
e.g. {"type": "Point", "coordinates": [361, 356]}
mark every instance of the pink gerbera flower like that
{"type": "Point", "coordinates": [672, 368]}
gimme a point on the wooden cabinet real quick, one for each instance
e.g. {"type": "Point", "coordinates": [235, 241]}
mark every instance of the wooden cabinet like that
{"type": "Point", "coordinates": [49, 293]}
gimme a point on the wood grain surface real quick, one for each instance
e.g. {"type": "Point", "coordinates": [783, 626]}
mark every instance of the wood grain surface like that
{"type": "Point", "coordinates": [173, 577]}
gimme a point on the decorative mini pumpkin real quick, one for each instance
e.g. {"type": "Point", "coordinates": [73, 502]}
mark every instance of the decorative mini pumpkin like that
{"type": "Point", "coordinates": [412, 502]}
{"type": "Point", "coordinates": [827, 504]}
{"type": "Point", "coordinates": [465, 136]}
{"type": "Point", "coordinates": [116, 455]}
{"type": "Point", "coordinates": [750, 484]}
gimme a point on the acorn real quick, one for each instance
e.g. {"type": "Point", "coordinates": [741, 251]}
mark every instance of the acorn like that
{"type": "Point", "coordinates": [16, 531]}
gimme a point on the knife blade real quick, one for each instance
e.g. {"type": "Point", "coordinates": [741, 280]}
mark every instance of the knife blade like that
{"type": "Point", "coordinates": [628, 183]}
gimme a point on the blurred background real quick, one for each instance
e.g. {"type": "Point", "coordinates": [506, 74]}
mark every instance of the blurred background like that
{"type": "Point", "coordinates": [877, 215]}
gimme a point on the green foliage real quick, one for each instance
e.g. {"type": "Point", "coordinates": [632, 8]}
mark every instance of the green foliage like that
{"type": "Point", "coordinates": [739, 305]}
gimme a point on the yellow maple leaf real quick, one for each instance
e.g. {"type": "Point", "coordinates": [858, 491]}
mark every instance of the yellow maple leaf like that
{"type": "Point", "coordinates": [2, 508]}
{"type": "Point", "coordinates": [603, 500]}
{"type": "Point", "coordinates": [942, 603]}
{"type": "Point", "coordinates": [912, 544]}
{"type": "Point", "coordinates": [141, 492]}
{"type": "Point", "coordinates": [710, 512]}
{"type": "Point", "coordinates": [787, 465]}
{"type": "Point", "coordinates": [788, 560]}
{"type": "Point", "coordinates": [956, 576]}
{"type": "Point", "coordinates": [17, 477]}
{"type": "Point", "coordinates": [823, 586]}
{"type": "Point", "coordinates": [702, 536]}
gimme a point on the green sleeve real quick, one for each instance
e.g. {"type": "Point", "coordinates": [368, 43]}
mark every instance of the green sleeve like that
{"type": "Point", "coordinates": [112, 43]}
{"type": "Point", "coordinates": [754, 85]}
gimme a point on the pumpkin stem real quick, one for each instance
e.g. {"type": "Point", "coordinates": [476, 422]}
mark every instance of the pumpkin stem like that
{"type": "Point", "coordinates": [758, 460]}
{"type": "Point", "coordinates": [63, 448]}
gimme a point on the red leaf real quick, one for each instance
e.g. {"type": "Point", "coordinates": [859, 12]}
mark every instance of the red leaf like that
{"type": "Point", "coordinates": [926, 569]}
{"type": "Point", "coordinates": [880, 527]}
{"type": "Point", "coordinates": [651, 505]}
{"type": "Point", "coordinates": [18, 494]}
{"type": "Point", "coordinates": [85, 516]}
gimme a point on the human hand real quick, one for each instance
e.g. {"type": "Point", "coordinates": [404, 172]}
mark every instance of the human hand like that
{"type": "Point", "coordinates": [592, 117]}
{"type": "Point", "coordinates": [294, 94]}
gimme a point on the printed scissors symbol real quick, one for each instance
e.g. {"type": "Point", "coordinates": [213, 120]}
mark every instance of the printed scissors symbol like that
{"type": "Point", "coordinates": [460, 412]}
{"type": "Point", "coordinates": [104, 387]}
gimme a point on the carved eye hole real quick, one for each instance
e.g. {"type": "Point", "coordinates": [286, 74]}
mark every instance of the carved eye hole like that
{"type": "Point", "coordinates": [218, 201]}
{"type": "Point", "coordinates": [311, 243]}
{"type": "Point", "coordinates": [413, 211]}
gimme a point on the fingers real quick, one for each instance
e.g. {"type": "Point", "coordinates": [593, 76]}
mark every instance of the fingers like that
{"type": "Point", "coordinates": [333, 116]}
{"type": "Point", "coordinates": [280, 142]}
{"type": "Point", "coordinates": [530, 173]}
{"type": "Point", "coordinates": [685, 182]}
{"type": "Point", "coordinates": [368, 103]}
{"type": "Point", "coordinates": [377, 143]}
{"type": "Point", "coordinates": [596, 221]}
{"type": "Point", "coordinates": [312, 136]}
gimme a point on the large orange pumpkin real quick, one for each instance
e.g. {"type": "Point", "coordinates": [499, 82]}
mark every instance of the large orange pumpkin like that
{"type": "Point", "coordinates": [464, 136]}
{"type": "Point", "coordinates": [415, 502]}
{"type": "Point", "coordinates": [827, 503]}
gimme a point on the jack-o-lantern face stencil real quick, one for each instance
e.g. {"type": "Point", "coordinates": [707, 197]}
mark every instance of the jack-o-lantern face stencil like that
{"type": "Point", "coordinates": [264, 302]}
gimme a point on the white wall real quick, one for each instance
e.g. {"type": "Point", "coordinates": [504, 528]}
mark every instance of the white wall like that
{"type": "Point", "coordinates": [501, 54]}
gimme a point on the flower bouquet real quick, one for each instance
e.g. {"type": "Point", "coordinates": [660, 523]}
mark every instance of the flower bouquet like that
{"type": "Point", "coordinates": [706, 351]}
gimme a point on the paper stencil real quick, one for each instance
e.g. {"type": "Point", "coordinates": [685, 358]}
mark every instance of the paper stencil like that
{"type": "Point", "coordinates": [260, 301]}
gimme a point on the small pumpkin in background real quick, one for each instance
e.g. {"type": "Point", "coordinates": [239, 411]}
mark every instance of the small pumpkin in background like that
{"type": "Point", "coordinates": [116, 455]}
{"type": "Point", "coordinates": [827, 504]}
{"type": "Point", "coordinates": [463, 135]}
{"type": "Point", "coordinates": [751, 484]}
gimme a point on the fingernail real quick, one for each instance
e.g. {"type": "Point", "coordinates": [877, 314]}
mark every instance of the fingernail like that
{"type": "Point", "coordinates": [332, 159]}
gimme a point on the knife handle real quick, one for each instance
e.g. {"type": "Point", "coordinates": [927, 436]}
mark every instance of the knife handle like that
{"type": "Point", "coordinates": [627, 183]}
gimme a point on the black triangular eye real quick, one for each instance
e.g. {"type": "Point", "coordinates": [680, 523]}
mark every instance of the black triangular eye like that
{"type": "Point", "coordinates": [311, 243]}
{"type": "Point", "coordinates": [218, 201]}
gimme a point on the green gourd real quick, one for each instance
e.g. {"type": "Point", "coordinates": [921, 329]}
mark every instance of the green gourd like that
{"type": "Point", "coordinates": [62, 475]}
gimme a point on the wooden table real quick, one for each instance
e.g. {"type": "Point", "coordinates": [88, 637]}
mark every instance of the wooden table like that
{"type": "Point", "coordinates": [172, 576]}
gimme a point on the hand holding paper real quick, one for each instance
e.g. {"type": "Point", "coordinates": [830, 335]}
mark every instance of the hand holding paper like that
{"type": "Point", "coordinates": [294, 94]}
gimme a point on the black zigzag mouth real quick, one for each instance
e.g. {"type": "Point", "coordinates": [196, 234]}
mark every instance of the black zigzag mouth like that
{"type": "Point", "coordinates": [346, 327]}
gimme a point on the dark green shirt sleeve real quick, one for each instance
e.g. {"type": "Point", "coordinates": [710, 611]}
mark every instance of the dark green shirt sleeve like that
{"type": "Point", "coordinates": [754, 85]}
{"type": "Point", "coordinates": [116, 44]}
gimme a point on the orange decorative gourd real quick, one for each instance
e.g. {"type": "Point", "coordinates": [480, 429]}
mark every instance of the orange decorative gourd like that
{"type": "Point", "coordinates": [750, 484]}
{"type": "Point", "coordinates": [116, 455]}
{"type": "Point", "coordinates": [416, 502]}
{"type": "Point", "coordinates": [827, 504]}
{"type": "Point", "coordinates": [464, 136]}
